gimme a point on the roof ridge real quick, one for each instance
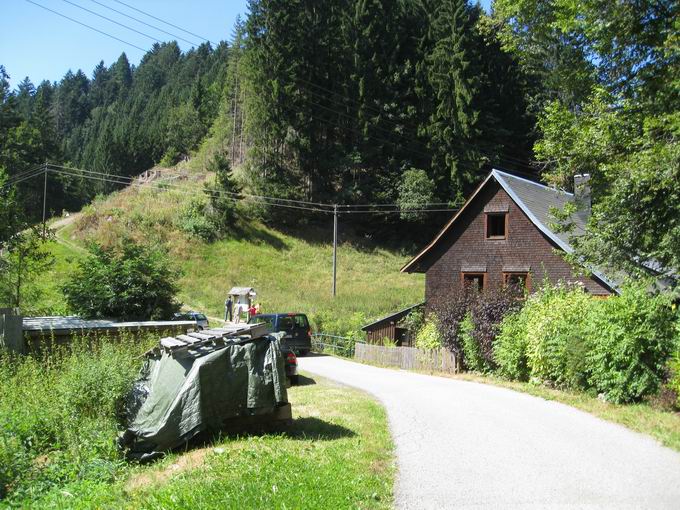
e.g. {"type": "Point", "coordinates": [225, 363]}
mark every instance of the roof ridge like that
{"type": "Point", "coordinates": [535, 183]}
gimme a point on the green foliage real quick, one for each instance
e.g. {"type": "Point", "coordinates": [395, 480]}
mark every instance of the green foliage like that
{"type": "Point", "coordinates": [413, 321]}
{"type": "Point", "coordinates": [24, 259]}
{"type": "Point", "coordinates": [673, 383]}
{"type": "Point", "coordinates": [557, 334]}
{"type": "Point", "coordinates": [633, 340]}
{"type": "Point", "coordinates": [415, 192]}
{"type": "Point", "coordinates": [471, 350]}
{"type": "Point", "coordinates": [325, 321]}
{"type": "Point", "coordinates": [58, 415]}
{"type": "Point", "coordinates": [609, 108]}
{"type": "Point", "coordinates": [387, 342]}
{"type": "Point", "coordinates": [429, 337]}
{"type": "Point", "coordinates": [133, 283]}
{"type": "Point", "coordinates": [195, 221]}
{"type": "Point", "coordinates": [618, 347]}
{"type": "Point", "coordinates": [222, 195]}
{"type": "Point", "coordinates": [510, 348]}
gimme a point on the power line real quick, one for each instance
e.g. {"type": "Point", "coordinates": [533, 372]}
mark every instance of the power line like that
{"type": "Point", "coordinates": [144, 23]}
{"type": "Point", "coordinates": [127, 180]}
{"type": "Point", "coordinates": [218, 193]}
{"type": "Point", "coordinates": [162, 21]}
{"type": "Point", "coordinates": [164, 187]}
{"type": "Point", "coordinates": [86, 26]}
{"type": "Point", "coordinates": [236, 194]}
{"type": "Point", "coordinates": [112, 21]}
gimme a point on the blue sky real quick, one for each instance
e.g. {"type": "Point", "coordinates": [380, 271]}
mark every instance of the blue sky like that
{"type": "Point", "coordinates": [42, 45]}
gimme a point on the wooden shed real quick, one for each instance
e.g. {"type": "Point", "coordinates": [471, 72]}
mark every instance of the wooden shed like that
{"type": "Point", "coordinates": [388, 327]}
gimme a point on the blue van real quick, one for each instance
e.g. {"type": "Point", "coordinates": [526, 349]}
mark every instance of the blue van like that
{"type": "Point", "coordinates": [295, 326]}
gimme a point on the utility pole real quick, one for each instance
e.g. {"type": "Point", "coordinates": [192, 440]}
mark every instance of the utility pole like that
{"type": "Point", "coordinates": [335, 245]}
{"type": "Point", "coordinates": [44, 201]}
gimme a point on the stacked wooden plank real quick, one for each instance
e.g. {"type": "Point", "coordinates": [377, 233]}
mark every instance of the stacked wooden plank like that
{"type": "Point", "coordinates": [213, 337]}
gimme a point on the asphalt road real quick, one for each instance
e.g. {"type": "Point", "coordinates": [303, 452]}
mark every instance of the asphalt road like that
{"type": "Point", "coordinates": [466, 445]}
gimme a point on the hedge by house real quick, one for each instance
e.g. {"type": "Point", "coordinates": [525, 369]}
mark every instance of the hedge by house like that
{"type": "Point", "coordinates": [618, 347]}
{"type": "Point", "coordinates": [621, 348]}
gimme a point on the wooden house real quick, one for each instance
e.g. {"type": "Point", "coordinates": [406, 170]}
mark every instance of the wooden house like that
{"type": "Point", "coordinates": [388, 328]}
{"type": "Point", "coordinates": [502, 235]}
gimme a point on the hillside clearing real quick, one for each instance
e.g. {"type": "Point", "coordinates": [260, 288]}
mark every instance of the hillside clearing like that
{"type": "Point", "coordinates": [290, 271]}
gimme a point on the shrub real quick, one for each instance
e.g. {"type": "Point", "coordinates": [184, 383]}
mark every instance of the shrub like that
{"type": "Point", "coordinates": [557, 332]}
{"type": "Point", "coordinates": [429, 337]}
{"type": "Point", "coordinates": [222, 194]}
{"type": "Point", "coordinates": [58, 416]}
{"type": "Point", "coordinates": [413, 321]}
{"type": "Point", "coordinates": [194, 221]}
{"type": "Point", "coordinates": [472, 354]}
{"type": "Point", "coordinates": [484, 312]}
{"type": "Point", "coordinates": [133, 283]}
{"type": "Point", "coordinates": [510, 348]}
{"type": "Point", "coordinates": [450, 311]}
{"type": "Point", "coordinates": [388, 342]}
{"type": "Point", "coordinates": [634, 340]}
{"type": "Point", "coordinates": [673, 383]}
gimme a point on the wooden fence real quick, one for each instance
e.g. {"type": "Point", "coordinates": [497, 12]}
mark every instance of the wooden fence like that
{"type": "Point", "coordinates": [408, 358]}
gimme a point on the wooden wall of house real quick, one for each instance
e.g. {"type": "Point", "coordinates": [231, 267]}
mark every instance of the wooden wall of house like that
{"type": "Point", "coordinates": [379, 332]}
{"type": "Point", "coordinates": [525, 245]}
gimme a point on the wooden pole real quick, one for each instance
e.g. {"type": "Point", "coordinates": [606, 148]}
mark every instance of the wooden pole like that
{"type": "Point", "coordinates": [335, 246]}
{"type": "Point", "coordinates": [44, 202]}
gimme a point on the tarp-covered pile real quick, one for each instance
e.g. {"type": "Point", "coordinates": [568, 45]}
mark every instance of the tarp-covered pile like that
{"type": "Point", "coordinates": [183, 392]}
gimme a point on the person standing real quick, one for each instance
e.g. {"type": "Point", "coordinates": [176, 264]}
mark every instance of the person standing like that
{"type": "Point", "coordinates": [251, 311]}
{"type": "Point", "coordinates": [228, 305]}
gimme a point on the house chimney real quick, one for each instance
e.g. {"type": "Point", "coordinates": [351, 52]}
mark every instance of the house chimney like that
{"type": "Point", "coordinates": [582, 192]}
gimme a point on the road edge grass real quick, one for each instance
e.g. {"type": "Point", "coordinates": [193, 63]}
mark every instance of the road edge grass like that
{"type": "Point", "coordinates": [338, 453]}
{"type": "Point", "coordinates": [663, 426]}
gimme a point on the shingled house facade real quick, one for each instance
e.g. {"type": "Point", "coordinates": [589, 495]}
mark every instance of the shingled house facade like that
{"type": "Point", "coordinates": [502, 235]}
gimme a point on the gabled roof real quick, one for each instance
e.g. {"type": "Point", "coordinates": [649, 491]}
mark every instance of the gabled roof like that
{"type": "Point", "coordinates": [535, 200]}
{"type": "Point", "coordinates": [241, 291]}
{"type": "Point", "coordinates": [394, 316]}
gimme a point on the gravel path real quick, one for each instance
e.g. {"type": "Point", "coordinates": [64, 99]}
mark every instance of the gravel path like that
{"type": "Point", "coordinates": [466, 445]}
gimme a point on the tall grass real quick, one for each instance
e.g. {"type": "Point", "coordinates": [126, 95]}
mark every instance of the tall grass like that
{"type": "Point", "coordinates": [58, 415]}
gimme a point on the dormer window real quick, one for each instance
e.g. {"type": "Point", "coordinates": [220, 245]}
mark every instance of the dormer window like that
{"type": "Point", "coordinates": [497, 225]}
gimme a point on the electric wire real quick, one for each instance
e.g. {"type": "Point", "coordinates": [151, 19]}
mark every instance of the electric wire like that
{"type": "Point", "coordinates": [144, 23]}
{"type": "Point", "coordinates": [162, 21]}
{"type": "Point", "coordinates": [25, 172]}
{"type": "Point", "coordinates": [195, 192]}
{"type": "Point", "coordinates": [217, 193]}
{"type": "Point", "coordinates": [319, 204]}
{"type": "Point", "coordinates": [111, 20]}
{"type": "Point", "coordinates": [86, 25]}
{"type": "Point", "coordinates": [260, 197]}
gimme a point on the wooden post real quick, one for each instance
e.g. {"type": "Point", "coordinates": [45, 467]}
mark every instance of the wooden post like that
{"type": "Point", "coordinates": [44, 202]}
{"type": "Point", "coordinates": [335, 246]}
{"type": "Point", "coordinates": [11, 330]}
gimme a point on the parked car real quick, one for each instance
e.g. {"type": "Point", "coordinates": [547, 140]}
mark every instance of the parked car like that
{"type": "Point", "coordinates": [291, 366]}
{"type": "Point", "coordinates": [200, 319]}
{"type": "Point", "coordinates": [295, 326]}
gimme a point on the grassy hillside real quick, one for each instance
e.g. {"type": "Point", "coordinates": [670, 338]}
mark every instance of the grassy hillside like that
{"type": "Point", "coordinates": [291, 271]}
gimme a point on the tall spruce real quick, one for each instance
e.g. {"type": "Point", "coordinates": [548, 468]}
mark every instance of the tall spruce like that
{"type": "Point", "coordinates": [454, 74]}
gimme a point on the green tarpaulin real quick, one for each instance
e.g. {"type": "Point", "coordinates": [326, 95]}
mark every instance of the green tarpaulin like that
{"type": "Point", "coordinates": [181, 394]}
